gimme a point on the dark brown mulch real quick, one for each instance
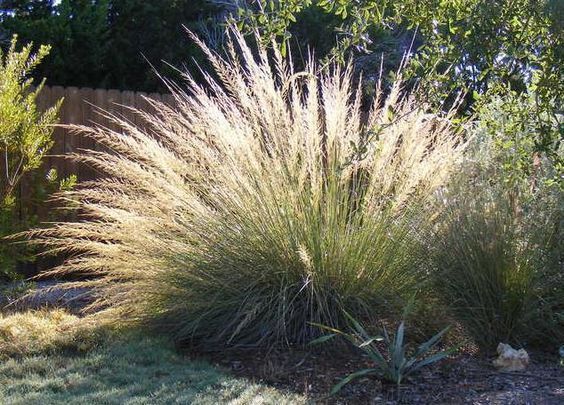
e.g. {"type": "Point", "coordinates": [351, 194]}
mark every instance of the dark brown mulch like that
{"type": "Point", "coordinates": [462, 379]}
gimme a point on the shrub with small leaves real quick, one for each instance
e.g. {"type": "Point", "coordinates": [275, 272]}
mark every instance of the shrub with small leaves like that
{"type": "Point", "coordinates": [25, 137]}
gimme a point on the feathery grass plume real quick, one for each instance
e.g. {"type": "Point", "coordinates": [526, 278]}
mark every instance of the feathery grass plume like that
{"type": "Point", "coordinates": [261, 202]}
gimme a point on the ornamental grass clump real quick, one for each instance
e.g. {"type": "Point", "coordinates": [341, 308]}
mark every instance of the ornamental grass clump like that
{"type": "Point", "coordinates": [498, 250]}
{"type": "Point", "coordinates": [262, 202]}
{"type": "Point", "coordinates": [498, 272]}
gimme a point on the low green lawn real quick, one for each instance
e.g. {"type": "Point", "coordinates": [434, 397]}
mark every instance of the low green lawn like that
{"type": "Point", "coordinates": [137, 370]}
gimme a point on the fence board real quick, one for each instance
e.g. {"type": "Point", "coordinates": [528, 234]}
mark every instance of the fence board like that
{"type": "Point", "coordinates": [142, 105]}
{"type": "Point", "coordinates": [56, 159]}
{"type": "Point", "coordinates": [85, 106]}
{"type": "Point", "coordinates": [114, 106]}
{"type": "Point", "coordinates": [88, 117]}
{"type": "Point", "coordinates": [128, 100]}
{"type": "Point", "coordinates": [72, 113]}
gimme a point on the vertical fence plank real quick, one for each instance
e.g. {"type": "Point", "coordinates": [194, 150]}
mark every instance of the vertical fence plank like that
{"type": "Point", "coordinates": [101, 103]}
{"type": "Point", "coordinates": [43, 100]}
{"type": "Point", "coordinates": [168, 99]}
{"type": "Point", "coordinates": [55, 160]}
{"type": "Point", "coordinates": [156, 96]}
{"type": "Point", "coordinates": [128, 101]}
{"type": "Point", "coordinates": [142, 105]}
{"type": "Point", "coordinates": [88, 116]}
{"type": "Point", "coordinates": [73, 115]}
{"type": "Point", "coordinates": [114, 106]}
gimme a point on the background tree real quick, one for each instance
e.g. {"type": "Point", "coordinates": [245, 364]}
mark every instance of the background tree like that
{"type": "Point", "coordinates": [107, 43]}
{"type": "Point", "coordinates": [149, 32]}
{"type": "Point", "coordinates": [481, 48]}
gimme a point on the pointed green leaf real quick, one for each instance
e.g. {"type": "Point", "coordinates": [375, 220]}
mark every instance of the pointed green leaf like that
{"type": "Point", "coordinates": [322, 339]}
{"type": "Point", "coordinates": [425, 347]}
{"type": "Point", "coordinates": [351, 377]}
{"type": "Point", "coordinates": [370, 341]}
{"type": "Point", "coordinates": [429, 360]}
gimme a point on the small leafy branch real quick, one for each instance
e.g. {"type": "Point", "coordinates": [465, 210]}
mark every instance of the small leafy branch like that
{"type": "Point", "coordinates": [395, 364]}
{"type": "Point", "coordinates": [25, 138]}
{"type": "Point", "coordinates": [25, 133]}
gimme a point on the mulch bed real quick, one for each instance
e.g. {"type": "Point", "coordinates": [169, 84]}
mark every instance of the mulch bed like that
{"type": "Point", "coordinates": [463, 379]}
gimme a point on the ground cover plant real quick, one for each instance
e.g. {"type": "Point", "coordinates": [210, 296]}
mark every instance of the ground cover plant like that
{"type": "Point", "coordinates": [260, 203]}
{"type": "Point", "coordinates": [393, 364]}
{"type": "Point", "coordinates": [45, 362]}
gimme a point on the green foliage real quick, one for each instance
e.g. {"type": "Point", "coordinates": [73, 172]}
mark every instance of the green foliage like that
{"type": "Point", "coordinates": [471, 46]}
{"type": "Point", "coordinates": [110, 43]}
{"type": "Point", "coordinates": [393, 365]}
{"type": "Point", "coordinates": [25, 133]}
{"type": "Point", "coordinates": [25, 138]}
{"type": "Point", "coordinates": [272, 18]}
{"type": "Point", "coordinates": [508, 123]}
{"type": "Point", "coordinates": [341, 26]}
{"type": "Point", "coordinates": [498, 255]}
{"type": "Point", "coordinates": [481, 46]}
{"type": "Point", "coordinates": [497, 273]}
{"type": "Point", "coordinates": [21, 214]}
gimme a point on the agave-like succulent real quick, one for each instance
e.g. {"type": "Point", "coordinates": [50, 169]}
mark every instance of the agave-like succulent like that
{"type": "Point", "coordinates": [394, 364]}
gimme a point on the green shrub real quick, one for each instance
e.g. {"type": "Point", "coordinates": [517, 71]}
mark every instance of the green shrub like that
{"type": "Point", "coordinates": [259, 204]}
{"type": "Point", "coordinates": [498, 255]}
{"type": "Point", "coordinates": [25, 138]}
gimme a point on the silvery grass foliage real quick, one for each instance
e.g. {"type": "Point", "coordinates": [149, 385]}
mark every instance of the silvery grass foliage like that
{"type": "Point", "coordinates": [263, 201]}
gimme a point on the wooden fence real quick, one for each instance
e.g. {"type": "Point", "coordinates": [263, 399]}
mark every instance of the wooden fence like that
{"type": "Point", "coordinates": [80, 106]}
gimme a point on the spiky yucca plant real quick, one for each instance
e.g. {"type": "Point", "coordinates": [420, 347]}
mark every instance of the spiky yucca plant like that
{"type": "Point", "coordinates": [261, 202]}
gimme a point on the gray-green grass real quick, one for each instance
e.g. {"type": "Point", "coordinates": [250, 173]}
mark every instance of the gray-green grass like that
{"type": "Point", "coordinates": [121, 370]}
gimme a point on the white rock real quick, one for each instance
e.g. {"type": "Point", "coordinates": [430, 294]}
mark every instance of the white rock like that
{"type": "Point", "coordinates": [510, 359]}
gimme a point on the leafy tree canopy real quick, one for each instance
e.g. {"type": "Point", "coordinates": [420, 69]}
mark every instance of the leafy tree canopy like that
{"type": "Point", "coordinates": [107, 43]}
{"type": "Point", "coordinates": [482, 48]}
